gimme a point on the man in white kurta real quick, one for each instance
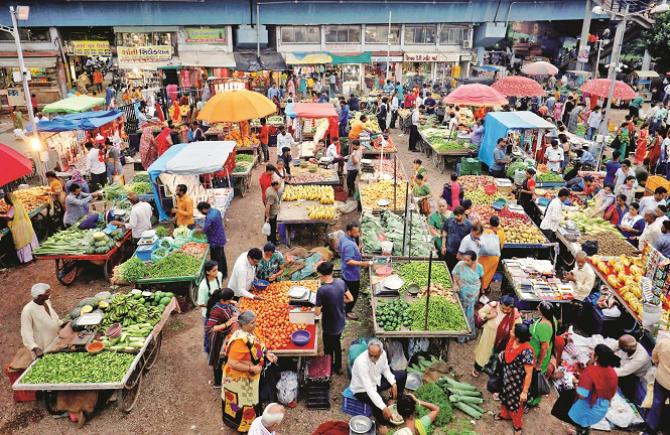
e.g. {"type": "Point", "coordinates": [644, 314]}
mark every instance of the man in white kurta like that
{"type": "Point", "coordinates": [39, 321]}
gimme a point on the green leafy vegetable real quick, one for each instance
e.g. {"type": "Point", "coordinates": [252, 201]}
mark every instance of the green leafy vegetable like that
{"type": "Point", "coordinates": [79, 368]}
{"type": "Point", "coordinates": [433, 394]}
{"type": "Point", "coordinates": [416, 272]}
{"type": "Point", "coordinates": [132, 270]}
{"type": "Point", "coordinates": [443, 315]}
{"type": "Point", "coordinates": [176, 264]}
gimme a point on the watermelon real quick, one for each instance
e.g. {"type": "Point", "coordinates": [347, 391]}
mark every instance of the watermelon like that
{"type": "Point", "coordinates": [165, 301]}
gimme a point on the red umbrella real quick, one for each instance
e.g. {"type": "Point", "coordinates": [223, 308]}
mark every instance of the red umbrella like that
{"type": "Point", "coordinates": [539, 69]}
{"type": "Point", "coordinates": [476, 95]}
{"type": "Point", "coordinates": [14, 165]}
{"type": "Point", "coordinates": [518, 86]}
{"type": "Point", "coordinates": [601, 88]}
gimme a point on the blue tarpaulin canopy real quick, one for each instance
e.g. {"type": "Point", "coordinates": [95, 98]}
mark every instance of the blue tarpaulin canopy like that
{"type": "Point", "coordinates": [189, 159]}
{"type": "Point", "coordinates": [497, 124]}
{"type": "Point", "coordinates": [78, 121]}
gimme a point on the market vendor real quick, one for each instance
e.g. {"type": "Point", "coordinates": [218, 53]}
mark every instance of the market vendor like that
{"type": "Point", "coordinates": [583, 277]}
{"type": "Point", "coordinates": [554, 214]}
{"type": "Point", "coordinates": [76, 204]}
{"type": "Point", "coordinates": [216, 235]}
{"type": "Point", "coordinates": [635, 363]}
{"type": "Point", "coordinates": [652, 201]}
{"type": "Point", "coordinates": [271, 266]}
{"type": "Point", "coordinates": [39, 321]}
{"type": "Point", "coordinates": [555, 156]}
{"type": "Point", "coordinates": [139, 220]}
{"type": "Point", "coordinates": [652, 231]}
{"type": "Point", "coordinates": [499, 159]}
{"type": "Point", "coordinates": [527, 191]}
{"type": "Point", "coordinates": [184, 210]}
{"type": "Point", "coordinates": [56, 187]}
{"type": "Point", "coordinates": [350, 253]}
{"type": "Point", "coordinates": [244, 273]}
{"type": "Point", "coordinates": [358, 127]}
{"type": "Point", "coordinates": [371, 375]}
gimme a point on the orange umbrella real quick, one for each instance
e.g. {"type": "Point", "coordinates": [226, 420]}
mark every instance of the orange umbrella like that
{"type": "Point", "coordinates": [476, 95]}
{"type": "Point", "coordinates": [518, 86]}
{"type": "Point", "coordinates": [236, 106]}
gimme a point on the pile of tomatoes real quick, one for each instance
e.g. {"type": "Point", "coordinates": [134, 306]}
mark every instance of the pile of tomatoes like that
{"type": "Point", "coordinates": [272, 323]}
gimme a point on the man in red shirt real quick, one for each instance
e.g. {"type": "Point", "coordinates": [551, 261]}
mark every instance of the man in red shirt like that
{"type": "Point", "coordinates": [264, 136]}
{"type": "Point", "coordinates": [33, 101]}
{"type": "Point", "coordinates": [265, 180]}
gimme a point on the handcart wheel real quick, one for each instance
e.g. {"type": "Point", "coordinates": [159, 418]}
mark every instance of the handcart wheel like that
{"type": "Point", "coordinates": [81, 419]}
{"type": "Point", "coordinates": [155, 348]}
{"type": "Point", "coordinates": [66, 271]}
{"type": "Point", "coordinates": [50, 398]}
{"type": "Point", "coordinates": [243, 187]}
{"type": "Point", "coordinates": [127, 397]}
{"type": "Point", "coordinates": [193, 294]}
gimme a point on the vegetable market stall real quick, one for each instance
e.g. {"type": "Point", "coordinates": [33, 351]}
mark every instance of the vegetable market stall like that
{"type": "Point", "coordinates": [308, 113]}
{"type": "Point", "coordinates": [409, 238]}
{"type": "Point", "coordinates": [311, 173]}
{"type": "Point", "coordinates": [72, 247]}
{"type": "Point", "coordinates": [241, 175]}
{"type": "Point", "coordinates": [400, 311]}
{"type": "Point", "coordinates": [129, 351]}
{"type": "Point", "coordinates": [274, 316]}
{"type": "Point", "coordinates": [176, 265]}
{"type": "Point", "coordinates": [183, 163]}
{"type": "Point", "coordinates": [377, 145]}
{"type": "Point", "coordinates": [526, 130]}
{"type": "Point", "coordinates": [485, 190]}
{"type": "Point", "coordinates": [384, 194]}
{"type": "Point", "coordinates": [37, 201]}
{"type": "Point", "coordinates": [534, 281]}
{"type": "Point", "coordinates": [441, 144]}
{"type": "Point", "coordinates": [306, 205]}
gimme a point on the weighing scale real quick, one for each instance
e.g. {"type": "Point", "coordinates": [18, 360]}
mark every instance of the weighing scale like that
{"type": "Point", "coordinates": [301, 296]}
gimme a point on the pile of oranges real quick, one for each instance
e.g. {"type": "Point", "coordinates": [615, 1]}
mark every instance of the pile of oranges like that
{"type": "Point", "coordinates": [272, 323]}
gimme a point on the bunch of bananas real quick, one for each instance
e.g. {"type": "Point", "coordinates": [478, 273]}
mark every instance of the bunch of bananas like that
{"type": "Point", "coordinates": [322, 212]}
{"type": "Point", "coordinates": [323, 194]}
{"type": "Point", "coordinates": [129, 310]}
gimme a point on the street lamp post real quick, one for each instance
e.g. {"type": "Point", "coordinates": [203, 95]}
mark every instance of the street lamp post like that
{"type": "Point", "coordinates": [618, 43]}
{"type": "Point", "coordinates": [21, 13]}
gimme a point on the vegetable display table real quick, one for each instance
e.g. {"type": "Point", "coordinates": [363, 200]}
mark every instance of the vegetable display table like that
{"type": "Point", "coordinates": [295, 213]}
{"type": "Point", "coordinates": [617, 295]}
{"type": "Point", "coordinates": [68, 266]}
{"type": "Point", "coordinates": [128, 388]}
{"type": "Point", "coordinates": [439, 157]}
{"type": "Point", "coordinates": [242, 180]}
{"type": "Point", "coordinates": [322, 176]}
{"type": "Point", "coordinates": [191, 282]}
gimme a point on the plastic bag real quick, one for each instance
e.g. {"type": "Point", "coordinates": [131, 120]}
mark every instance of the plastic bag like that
{"type": "Point", "coordinates": [489, 245]}
{"type": "Point", "coordinates": [287, 387]}
{"type": "Point", "coordinates": [396, 355]}
{"type": "Point", "coordinates": [265, 229]}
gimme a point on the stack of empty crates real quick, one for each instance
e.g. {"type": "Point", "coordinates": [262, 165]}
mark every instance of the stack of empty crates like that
{"type": "Point", "coordinates": [317, 383]}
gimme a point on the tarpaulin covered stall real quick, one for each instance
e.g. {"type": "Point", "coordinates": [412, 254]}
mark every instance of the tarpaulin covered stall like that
{"type": "Point", "coordinates": [78, 121]}
{"type": "Point", "coordinates": [497, 125]}
{"type": "Point", "coordinates": [192, 159]}
{"type": "Point", "coordinates": [74, 104]}
{"type": "Point", "coordinates": [318, 111]}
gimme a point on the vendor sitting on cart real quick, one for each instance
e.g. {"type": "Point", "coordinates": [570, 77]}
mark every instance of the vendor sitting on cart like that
{"type": "Point", "coordinates": [39, 321]}
{"type": "Point", "coordinates": [370, 375]}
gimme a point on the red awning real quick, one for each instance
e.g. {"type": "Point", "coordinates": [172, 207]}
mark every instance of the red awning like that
{"type": "Point", "coordinates": [14, 165]}
{"type": "Point", "coordinates": [314, 110]}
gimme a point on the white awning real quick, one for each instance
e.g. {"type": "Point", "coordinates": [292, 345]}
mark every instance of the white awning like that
{"type": "Point", "coordinates": [647, 74]}
{"type": "Point", "coordinates": [30, 62]}
{"type": "Point", "coordinates": [207, 59]}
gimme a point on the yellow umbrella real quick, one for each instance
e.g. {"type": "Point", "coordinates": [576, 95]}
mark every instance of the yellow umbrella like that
{"type": "Point", "coordinates": [236, 106]}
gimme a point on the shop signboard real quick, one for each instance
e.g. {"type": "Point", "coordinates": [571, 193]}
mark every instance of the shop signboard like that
{"type": "Point", "coordinates": [142, 54]}
{"type": "Point", "coordinates": [205, 35]}
{"type": "Point", "coordinates": [431, 57]}
{"type": "Point", "coordinates": [88, 48]}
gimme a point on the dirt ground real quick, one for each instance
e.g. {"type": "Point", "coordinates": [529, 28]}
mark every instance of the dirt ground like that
{"type": "Point", "coordinates": [175, 397]}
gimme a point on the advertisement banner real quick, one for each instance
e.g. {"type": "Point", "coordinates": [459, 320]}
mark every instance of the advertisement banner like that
{"type": "Point", "coordinates": [205, 35]}
{"type": "Point", "coordinates": [147, 53]}
{"type": "Point", "coordinates": [431, 57]}
{"type": "Point", "coordinates": [89, 48]}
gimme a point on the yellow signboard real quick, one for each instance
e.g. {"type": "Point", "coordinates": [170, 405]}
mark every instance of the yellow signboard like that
{"type": "Point", "coordinates": [89, 48]}
{"type": "Point", "coordinates": [147, 53]}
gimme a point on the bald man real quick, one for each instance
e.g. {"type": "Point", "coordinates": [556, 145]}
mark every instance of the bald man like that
{"type": "Point", "coordinates": [635, 363]}
{"type": "Point", "coordinates": [140, 217]}
{"type": "Point", "coordinates": [269, 422]}
{"type": "Point", "coordinates": [582, 276]}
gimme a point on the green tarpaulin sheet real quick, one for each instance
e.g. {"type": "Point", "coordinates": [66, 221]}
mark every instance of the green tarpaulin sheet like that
{"type": "Point", "coordinates": [76, 104]}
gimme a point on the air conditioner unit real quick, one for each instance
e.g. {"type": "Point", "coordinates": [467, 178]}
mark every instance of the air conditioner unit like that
{"type": "Point", "coordinates": [467, 43]}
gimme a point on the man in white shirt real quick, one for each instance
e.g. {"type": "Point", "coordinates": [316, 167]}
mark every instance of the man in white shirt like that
{"type": "Point", "coordinates": [244, 273]}
{"type": "Point", "coordinates": [95, 164]}
{"type": "Point", "coordinates": [652, 231]}
{"type": "Point", "coordinates": [268, 423]}
{"type": "Point", "coordinates": [582, 276]}
{"type": "Point", "coordinates": [594, 120]}
{"type": "Point", "coordinates": [554, 214]}
{"type": "Point", "coordinates": [139, 220]}
{"type": "Point", "coordinates": [635, 363]}
{"type": "Point", "coordinates": [370, 375]}
{"type": "Point", "coordinates": [284, 139]}
{"type": "Point", "coordinates": [555, 156]}
{"type": "Point", "coordinates": [649, 203]}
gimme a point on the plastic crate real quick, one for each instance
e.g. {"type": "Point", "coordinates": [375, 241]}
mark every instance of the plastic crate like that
{"type": "Point", "coordinates": [352, 406]}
